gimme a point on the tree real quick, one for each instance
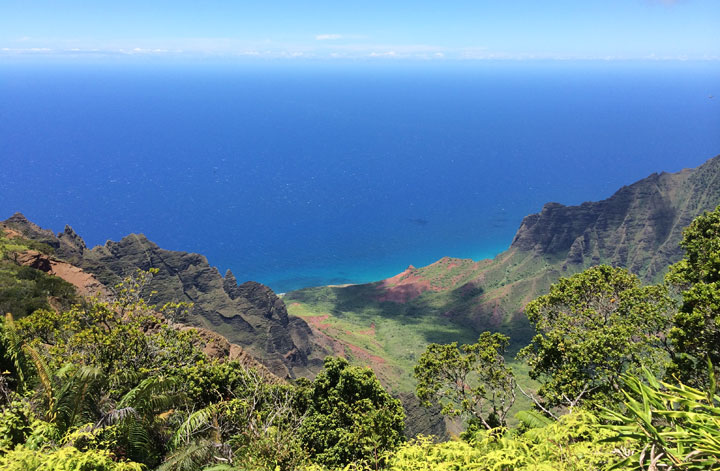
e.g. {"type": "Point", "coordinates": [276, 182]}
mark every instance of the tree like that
{"type": "Point", "coordinates": [350, 416]}
{"type": "Point", "coordinates": [696, 326]}
{"type": "Point", "coordinates": [474, 383]}
{"type": "Point", "coordinates": [592, 327]}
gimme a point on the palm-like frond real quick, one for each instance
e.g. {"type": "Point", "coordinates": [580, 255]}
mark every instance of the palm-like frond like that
{"type": "Point", "coordinates": [13, 346]}
{"type": "Point", "coordinates": [115, 416]}
{"type": "Point", "coordinates": [192, 457]}
{"type": "Point", "coordinates": [533, 419]}
{"type": "Point", "coordinates": [197, 423]}
{"type": "Point", "coordinates": [676, 425]}
{"type": "Point", "coordinates": [153, 395]}
{"type": "Point", "coordinates": [78, 397]}
{"type": "Point", "coordinates": [44, 375]}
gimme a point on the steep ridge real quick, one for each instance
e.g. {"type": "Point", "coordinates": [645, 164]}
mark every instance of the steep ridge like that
{"type": "Point", "coordinates": [249, 314]}
{"type": "Point", "coordinates": [639, 227]}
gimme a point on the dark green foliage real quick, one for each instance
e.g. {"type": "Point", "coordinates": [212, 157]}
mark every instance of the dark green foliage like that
{"type": "Point", "coordinates": [696, 330]}
{"type": "Point", "coordinates": [254, 427]}
{"type": "Point", "coordinates": [210, 382]}
{"type": "Point", "coordinates": [23, 290]}
{"type": "Point", "coordinates": [350, 416]}
{"type": "Point", "coordinates": [103, 367]}
{"type": "Point", "coordinates": [592, 327]}
{"type": "Point", "coordinates": [474, 383]}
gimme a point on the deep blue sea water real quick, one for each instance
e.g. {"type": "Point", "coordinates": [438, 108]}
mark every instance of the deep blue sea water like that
{"type": "Point", "coordinates": [299, 174]}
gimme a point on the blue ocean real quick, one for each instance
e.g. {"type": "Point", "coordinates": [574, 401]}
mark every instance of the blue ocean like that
{"type": "Point", "coordinates": [297, 174]}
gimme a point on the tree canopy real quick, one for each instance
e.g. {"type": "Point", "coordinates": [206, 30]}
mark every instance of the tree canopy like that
{"type": "Point", "coordinates": [696, 326]}
{"type": "Point", "coordinates": [591, 328]}
{"type": "Point", "coordinates": [470, 381]}
{"type": "Point", "coordinates": [350, 416]}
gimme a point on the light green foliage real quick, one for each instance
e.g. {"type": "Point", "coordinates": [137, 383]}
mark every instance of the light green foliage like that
{"type": "Point", "coordinates": [350, 416]}
{"type": "Point", "coordinates": [575, 443]}
{"type": "Point", "coordinates": [696, 331]}
{"type": "Point", "coordinates": [121, 336]}
{"type": "Point", "coordinates": [397, 333]}
{"type": "Point", "coordinates": [15, 424]}
{"type": "Point", "coordinates": [592, 327]}
{"type": "Point", "coordinates": [63, 459]}
{"type": "Point", "coordinates": [674, 426]}
{"type": "Point", "coordinates": [103, 367]}
{"type": "Point", "coordinates": [474, 383]}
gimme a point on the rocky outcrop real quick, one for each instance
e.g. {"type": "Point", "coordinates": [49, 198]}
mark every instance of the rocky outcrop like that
{"type": "Point", "coordinates": [249, 315]}
{"type": "Point", "coordinates": [638, 227]}
{"type": "Point", "coordinates": [85, 283]}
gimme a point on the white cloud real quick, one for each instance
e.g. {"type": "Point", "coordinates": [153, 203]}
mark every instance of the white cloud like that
{"type": "Point", "coordinates": [328, 37]}
{"type": "Point", "coordinates": [383, 54]}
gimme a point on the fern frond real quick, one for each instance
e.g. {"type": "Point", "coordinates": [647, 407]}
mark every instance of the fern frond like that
{"type": "Point", "coordinates": [13, 345]}
{"type": "Point", "coordinates": [44, 374]}
{"type": "Point", "coordinates": [198, 421]}
{"type": "Point", "coordinates": [533, 419]}
{"type": "Point", "coordinates": [192, 457]}
{"type": "Point", "coordinates": [115, 416]}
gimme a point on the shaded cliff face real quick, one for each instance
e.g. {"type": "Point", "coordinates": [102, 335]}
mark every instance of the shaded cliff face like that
{"type": "Point", "coordinates": [249, 315]}
{"type": "Point", "coordinates": [639, 227]}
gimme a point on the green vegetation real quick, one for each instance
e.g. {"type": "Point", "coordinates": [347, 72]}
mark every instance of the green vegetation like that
{"type": "Point", "coordinates": [593, 327]}
{"type": "Point", "coordinates": [627, 380]}
{"type": "Point", "coordinates": [349, 416]}
{"type": "Point", "coordinates": [390, 336]}
{"type": "Point", "coordinates": [474, 383]}
{"type": "Point", "coordinates": [114, 385]}
{"type": "Point", "coordinates": [23, 289]}
{"type": "Point", "coordinates": [672, 424]}
{"type": "Point", "coordinates": [696, 332]}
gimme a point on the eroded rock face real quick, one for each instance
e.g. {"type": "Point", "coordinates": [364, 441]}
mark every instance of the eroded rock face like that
{"type": "Point", "coordinates": [85, 283]}
{"type": "Point", "coordinates": [249, 315]}
{"type": "Point", "coordinates": [639, 227]}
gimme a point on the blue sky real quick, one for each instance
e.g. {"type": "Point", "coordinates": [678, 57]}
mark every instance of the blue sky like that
{"type": "Point", "coordinates": [369, 29]}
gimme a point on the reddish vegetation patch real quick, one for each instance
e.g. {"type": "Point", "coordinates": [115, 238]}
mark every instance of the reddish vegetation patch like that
{"type": "Point", "coordinates": [404, 287]}
{"type": "Point", "coordinates": [455, 279]}
{"type": "Point", "coordinates": [491, 312]}
{"type": "Point", "coordinates": [452, 265]}
{"type": "Point", "coordinates": [400, 276]}
{"type": "Point", "coordinates": [370, 331]}
{"type": "Point", "coordinates": [317, 321]}
{"type": "Point", "coordinates": [365, 356]}
{"type": "Point", "coordinates": [323, 339]}
{"type": "Point", "coordinates": [295, 304]}
{"type": "Point", "coordinates": [340, 347]}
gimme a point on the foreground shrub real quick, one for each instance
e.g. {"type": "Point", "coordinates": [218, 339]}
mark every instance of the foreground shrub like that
{"type": "Point", "coordinates": [674, 426]}
{"type": "Point", "coordinates": [574, 443]}
{"type": "Point", "coordinates": [65, 459]}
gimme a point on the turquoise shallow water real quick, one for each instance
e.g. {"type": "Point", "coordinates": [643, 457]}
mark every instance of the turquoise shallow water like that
{"type": "Point", "coordinates": [299, 175]}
